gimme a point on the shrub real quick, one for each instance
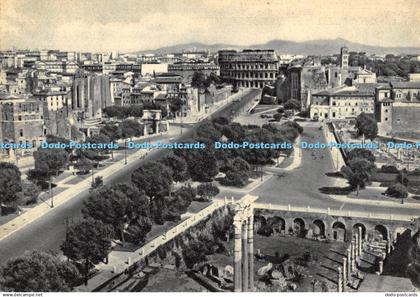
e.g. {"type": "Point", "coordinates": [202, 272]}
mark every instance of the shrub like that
{"type": "Point", "coordinates": [389, 169]}
{"type": "Point", "coordinates": [277, 116]}
{"type": "Point", "coordinates": [397, 191]}
{"type": "Point", "coordinates": [207, 190]}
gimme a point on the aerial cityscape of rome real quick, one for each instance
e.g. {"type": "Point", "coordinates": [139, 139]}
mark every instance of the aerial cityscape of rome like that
{"type": "Point", "coordinates": [210, 146]}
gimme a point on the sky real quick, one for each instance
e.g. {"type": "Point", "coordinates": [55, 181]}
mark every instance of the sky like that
{"type": "Point", "coordinates": [129, 25]}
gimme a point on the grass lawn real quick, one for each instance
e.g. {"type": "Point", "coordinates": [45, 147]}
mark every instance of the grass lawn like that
{"type": "Point", "coordinates": [172, 281]}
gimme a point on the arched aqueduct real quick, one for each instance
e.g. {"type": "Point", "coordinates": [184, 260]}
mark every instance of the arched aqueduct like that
{"type": "Point", "coordinates": [341, 228]}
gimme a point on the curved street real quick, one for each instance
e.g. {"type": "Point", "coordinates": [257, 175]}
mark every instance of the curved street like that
{"type": "Point", "coordinates": [48, 232]}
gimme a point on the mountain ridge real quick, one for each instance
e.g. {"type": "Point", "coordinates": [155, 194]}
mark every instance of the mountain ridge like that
{"type": "Point", "coordinates": [310, 47]}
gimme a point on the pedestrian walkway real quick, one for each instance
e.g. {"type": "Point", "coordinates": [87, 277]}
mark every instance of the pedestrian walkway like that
{"type": "Point", "coordinates": [361, 201]}
{"type": "Point", "coordinates": [71, 191]}
{"type": "Point", "coordinates": [296, 162]}
{"type": "Point", "coordinates": [195, 118]}
{"type": "Point", "coordinates": [118, 261]}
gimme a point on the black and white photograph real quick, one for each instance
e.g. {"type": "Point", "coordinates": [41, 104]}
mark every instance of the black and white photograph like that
{"type": "Point", "coordinates": [220, 146]}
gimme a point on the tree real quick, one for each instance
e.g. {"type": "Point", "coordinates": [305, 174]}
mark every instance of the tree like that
{"type": "Point", "coordinates": [237, 173]}
{"type": "Point", "coordinates": [182, 198]}
{"type": "Point", "coordinates": [176, 105]}
{"type": "Point", "coordinates": [114, 111]}
{"type": "Point", "coordinates": [221, 121]}
{"type": "Point", "coordinates": [362, 154]}
{"type": "Point", "coordinates": [83, 165]}
{"type": "Point", "coordinates": [198, 160]}
{"type": "Point", "coordinates": [131, 128]}
{"type": "Point", "coordinates": [97, 154]}
{"type": "Point", "coordinates": [194, 253]}
{"type": "Point", "coordinates": [277, 117]}
{"type": "Point", "coordinates": [117, 205]}
{"type": "Point", "coordinates": [38, 272]}
{"type": "Point", "coordinates": [112, 131]}
{"type": "Point", "coordinates": [234, 178]}
{"type": "Point", "coordinates": [214, 79]}
{"type": "Point", "coordinates": [98, 182]}
{"type": "Point", "coordinates": [199, 80]}
{"type": "Point", "coordinates": [292, 104]}
{"type": "Point", "coordinates": [234, 132]}
{"type": "Point", "coordinates": [88, 241]}
{"type": "Point", "coordinates": [178, 166]}
{"type": "Point", "coordinates": [207, 190]}
{"type": "Point", "coordinates": [358, 173]}
{"type": "Point", "coordinates": [154, 178]}
{"type": "Point", "coordinates": [135, 110]}
{"type": "Point", "coordinates": [30, 192]}
{"type": "Point", "coordinates": [48, 162]}
{"type": "Point", "coordinates": [398, 191]}
{"type": "Point", "coordinates": [366, 125]}
{"type": "Point", "coordinates": [207, 131]}
{"type": "Point", "coordinates": [413, 270]}
{"type": "Point", "coordinates": [10, 183]}
{"type": "Point", "coordinates": [138, 230]}
{"type": "Point", "coordinates": [402, 177]}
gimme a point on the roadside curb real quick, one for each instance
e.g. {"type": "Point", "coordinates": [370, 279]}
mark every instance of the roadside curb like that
{"type": "Point", "coordinates": [374, 202]}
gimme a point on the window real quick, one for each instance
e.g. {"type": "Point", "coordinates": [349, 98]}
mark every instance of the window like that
{"type": "Point", "coordinates": [21, 132]}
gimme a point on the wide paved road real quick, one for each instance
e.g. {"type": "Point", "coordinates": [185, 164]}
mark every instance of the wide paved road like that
{"type": "Point", "coordinates": [48, 232]}
{"type": "Point", "coordinates": [300, 187]}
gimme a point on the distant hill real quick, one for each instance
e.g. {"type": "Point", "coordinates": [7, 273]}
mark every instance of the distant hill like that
{"type": "Point", "coordinates": [312, 47]}
{"type": "Point", "coordinates": [194, 46]}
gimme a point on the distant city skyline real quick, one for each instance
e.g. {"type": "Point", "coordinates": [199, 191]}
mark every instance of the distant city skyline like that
{"type": "Point", "coordinates": [129, 25]}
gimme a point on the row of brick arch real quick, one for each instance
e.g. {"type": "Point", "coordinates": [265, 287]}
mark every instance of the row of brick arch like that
{"type": "Point", "coordinates": [337, 230]}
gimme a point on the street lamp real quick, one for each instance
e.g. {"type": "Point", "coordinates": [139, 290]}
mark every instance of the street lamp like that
{"type": "Point", "coordinates": [182, 111]}
{"type": "Point", "coordinates": [125, 151]}
{"type": "Point", "coordinates": [51, 192]}
{"type": "Point", "coordinates": [93, 175]}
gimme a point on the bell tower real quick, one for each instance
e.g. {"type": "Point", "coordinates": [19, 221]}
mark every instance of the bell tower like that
{"type": "Point", "coordinates": [344, 58]}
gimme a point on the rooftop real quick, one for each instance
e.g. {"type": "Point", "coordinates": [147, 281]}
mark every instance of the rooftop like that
{"type": "Point", "coordinates": [406, 85]}
{"type": "Point", "coordinates": [360, 90]}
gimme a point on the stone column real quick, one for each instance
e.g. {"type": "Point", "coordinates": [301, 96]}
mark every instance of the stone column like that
{"type": "Point", "coordinates": [237, 253]}
{"type": "Point", "coordinates": [348, 262]}
{"type": "Point", "coordinates": [339, 280]}
{"type": "Point", "coordinates": [381, 267]}
{"type": "Point", "coordinates": [356, 240]}
{"type": "Point", "coordinates": [388, 246]}
{"type": "Point", "coordinates": [352, 249]}
{"type": "Point", "coordinates": [388, 242]}
{"type": "Point", "coordinates": [361, 240]}
{"type": "Point", "coordinates": [245, 264]}
{"type": "Point", "coordinates": [345, 276]}
{"type": "Point", "coordinates": [251, 250]}
{"type": "Point", "coordinates": [354, 256]}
